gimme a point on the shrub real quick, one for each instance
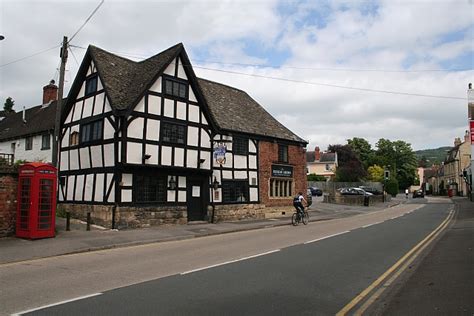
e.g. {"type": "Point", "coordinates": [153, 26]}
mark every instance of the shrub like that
{"type": "Point", "coordinates": [391, 186]}
{"type": "Point", "coordinates": [315, 177]}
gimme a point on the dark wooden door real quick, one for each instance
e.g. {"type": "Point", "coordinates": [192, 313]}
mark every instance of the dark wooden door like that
{"type": "Point", "coordinates": [196, 197]}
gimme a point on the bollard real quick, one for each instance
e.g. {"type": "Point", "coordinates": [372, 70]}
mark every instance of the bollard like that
{"type": "Point", "coordinates": [68, 221]}
{"type": "Point", "coordinates": [88, 220]}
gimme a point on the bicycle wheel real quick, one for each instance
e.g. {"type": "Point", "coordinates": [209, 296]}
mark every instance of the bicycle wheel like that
{"type": "Point", "coordinates": [305, 218]}
{"type": "Point", "coordinates": [294, 219]}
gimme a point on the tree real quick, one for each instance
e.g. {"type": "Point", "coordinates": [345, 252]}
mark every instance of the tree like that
{"type": "Point", "coordinates": [363, 148]}
{"type": "Point", "coordinates": [423, 162]}
{"type": "Point", "coordinates": [315, 177]}
{"type": "Point", "coordinates": [350, 168]}
{"type": "Point", "coordinates": [8, 106]}
{"type": "Point", "coordinates": [375, 173]}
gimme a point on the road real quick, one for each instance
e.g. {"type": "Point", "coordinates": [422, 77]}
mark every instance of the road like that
{"type": "Point", "coordinates": [314, 269]}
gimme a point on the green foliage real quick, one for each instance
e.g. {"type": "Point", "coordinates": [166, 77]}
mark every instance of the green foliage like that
{"type": "Point", "coordinates": [350, 168]}
{"type": "Point", "coordinates": [391, 186]}
{"type": "Point", "coordinates": [8, 105]}
{"type": "Point", "coordinates": [315, 177]}
{"type": "Point", "coordinates": [432, 156]}
{"type": "Point", "coordinates": [363, 149]}
{"type": "Point", "coordinates": [375, 173]}
{"type": "Point", "coordinates": [60, 211]}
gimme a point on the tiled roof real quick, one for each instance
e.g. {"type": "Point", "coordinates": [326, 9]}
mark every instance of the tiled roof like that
{"type": "Point", "coordinates": [38, 119]}
{"type": "Point", "coordinates": [124, 79]}
{"type": "Point", "coordinates": [235, 110]}
{"type": "Point", "coordinates": [324, 158]}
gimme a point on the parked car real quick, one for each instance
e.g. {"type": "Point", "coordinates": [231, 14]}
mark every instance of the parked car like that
{"type": "Point", "coordinates": [316, 191]}
{"type": "Point", "coordinates": [354, 191]}
{"type": "Point", "coordinates": [418, 194]}
{"type": "Point", "coordinates": [372, 190]}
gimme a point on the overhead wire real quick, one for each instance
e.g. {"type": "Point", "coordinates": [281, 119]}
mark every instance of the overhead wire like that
{"type": "Point", "coordinates": [86, 21]}
{"type": "Point", "coordinates": [29, 56]}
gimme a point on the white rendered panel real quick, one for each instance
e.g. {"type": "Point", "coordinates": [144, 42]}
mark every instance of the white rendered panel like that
{"type": "Point", "coordinates": [192, 96]}
{"type": "Point", "coordinates": [96, 152]}
{"type": "Point", "coordinates": [140, 106]}
{"type": "Point", "coordinates": [252, 162]}
{"type": "Point", "coordinates": [89, 184]}
{"type": "Point", "coordinates": [127, 179]}
{"type": "Point", "coordinates": [194, 113]}
{"type": "Point", "coordinates": [240, 161]}
{"type": "Point", "coordinates": [207, 160]}
{"type": "Point", "coordinates": [152, 129]}
{"type": "Point", "coordinates": [85, 159]}
{"type": "Point", "coordinates": [170, 69]}
{"type": "Point", "coordinates": [109, 155]}
{"type": "Point", "coordinates": [192, 159]}
{"type": "Point", "coordinates": [179, 157]}
{"type": "Point", "coordinates": [99, 104]}
{"type": "Point", "coordinates": [181, 182]}
{"type": "Point", "coordinates": [134, 152]}
{"type": "Point", "coordinates": [74, 159]}
{"type": "Point", "coordinates": [82, 91]}
{"type": "Point", "coordinates": [65, 139]}
{"type": "Point", "coordinates": [154, 105]}
{"type": "Point", "coordinates": [166, 155]}
{"type": "Point", "coordinates": [112, 192]}
{"type": "Point", "coordinates": [108, 130]}
{"type": "Point", "coordinates": [89, 69]}
{"type": "Point", "coordinates": [181, 111]}
{"type": "Point", "coordinates": [126, 195]}
{"type": "Point", "coordinates": [240, 174]}
{"type": "Point", "coordinates": [156, 87]}
{"type": "Point", "coordinates": [64, 161]}
{"type": "Point", "coordinates": [171, 196]}
{"type": "Point", "coordinates": [203, 119]}
{"type": "Point", "coordinates": [79, 187]}
{"type": "Point", "coordinates": [135, 128]}
{"type": "Point", "coordinates": [253, 175]}
{"type": "Point", "coordinates": [77, 111]}
{"type": "Point", "coordinates": [70, 188]}
{"type": "Point", "coordinates": [69, 116]}
{"type": "Point", "coordinates": [216, 174]}
{"type": "Point", "coordinates": [181, 196]}
{"type": "Point", "coordinates": [152, 150]}
{"type": "Point", "coordinates": [99, 188]}
{"type": "Point", "coordinates": [253, 194]}
{"type": "Point", "coordinates": [119, 156]}
{"type": "Point", "coordinates": [169, 108]}
{"type": "Point", "coordinates": [193, 136]}
{"type": "Point", "coordinates": [87, 107]}
{"type": "Point", "coordinates": [226, 174]}
{"type": "Point", "coordinates": [100, 86]}
{"type": "Point", "coordinates": [107, 107]}
{"type": "Point", "coordinates": [181, 72]}
{"type": "Point", "coordinates": [205, 139]}
{"type": "Point", "coordinates": [252, 147]}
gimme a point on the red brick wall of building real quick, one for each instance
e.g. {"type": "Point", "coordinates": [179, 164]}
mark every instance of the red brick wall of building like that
{"type": "Point", "coordinates": [8, 196]}
{"type": "Point", "coordinates": [268, 155]}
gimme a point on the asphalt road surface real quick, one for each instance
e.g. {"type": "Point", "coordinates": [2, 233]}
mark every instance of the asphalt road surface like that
{"type": "Point", "coordinates": [314, 270]}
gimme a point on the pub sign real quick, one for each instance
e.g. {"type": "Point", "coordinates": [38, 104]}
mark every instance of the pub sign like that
{"type": "Point", "coordinates": [282, 171]}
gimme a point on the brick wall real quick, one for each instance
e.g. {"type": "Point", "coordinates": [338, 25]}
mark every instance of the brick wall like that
{"type": "Point", "coordinates": [8, 196]}
{"type": "Point", "coordinates": [268, 155]}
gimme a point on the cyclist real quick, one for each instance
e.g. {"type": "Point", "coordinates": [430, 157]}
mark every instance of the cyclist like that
{"type": "Point", "coordinates": [298, 204]}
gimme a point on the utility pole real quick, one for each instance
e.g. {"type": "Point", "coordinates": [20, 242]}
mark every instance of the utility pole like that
{"type": "Point", "coordinates": [57, 122]}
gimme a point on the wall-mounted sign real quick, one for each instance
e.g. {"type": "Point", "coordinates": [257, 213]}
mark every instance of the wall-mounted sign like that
{"type": "Point", "coordinates": [219, 153]}
{"type": "Point", "coordinates": [282, 171]}
{"type": "Point", "coordinates": [196, 191]}
{"type": "Point", "coordinates": [471, 125]}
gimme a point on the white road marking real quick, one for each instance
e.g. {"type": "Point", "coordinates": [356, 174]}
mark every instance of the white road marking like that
{"type": "Point", "coordinates": [371, 224]}
{"type": "Point", "coordinates": [56, 304]}
{"type": "Point", "coordinates": [231, 261]}
{"type": "Point", "coordinates": [326, 237]}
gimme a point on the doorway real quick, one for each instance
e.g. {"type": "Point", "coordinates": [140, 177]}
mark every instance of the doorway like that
{"type": "Point", "coordinates": [196, 199]}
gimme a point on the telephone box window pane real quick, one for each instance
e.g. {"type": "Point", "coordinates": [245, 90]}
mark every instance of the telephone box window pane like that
{"type": "Point", "coordinates": [25, 188]}
{"type": "Point", "coordinates": [45, 203]}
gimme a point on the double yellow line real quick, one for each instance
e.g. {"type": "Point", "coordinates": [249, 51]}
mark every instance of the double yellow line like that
{"type": "Point", "coordinates": [392, 274]}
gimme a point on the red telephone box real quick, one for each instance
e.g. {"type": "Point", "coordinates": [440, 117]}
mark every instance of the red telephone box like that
{"type": "Point", "coordinates": [36, 209]}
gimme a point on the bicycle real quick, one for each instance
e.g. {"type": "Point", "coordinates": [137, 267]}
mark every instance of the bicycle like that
{"type": "Point", "coordinates": [296, 219]}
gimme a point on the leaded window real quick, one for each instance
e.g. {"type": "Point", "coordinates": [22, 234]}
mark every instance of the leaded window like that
{"type": "Point", "coordinates": [173, 133]}
{"type": "Point", "coordinates": [176, 88]}
{"type": "Point", "coordinates": [29, 143]}
{"type": "Point", "coordinates": [149, 188]}
{"type": "Point", "coordinates": [46, 141]}
{"type": "Point", "coordinates": [91, 85]}
{"type": "Point", "coordinates": [91, 131]}
{"type": "Point", "coordinates": [240, 146]}
{"type": "Point", "coordinates": [235, 191]}
{"type": "Point", "coordinates": [282, 153]}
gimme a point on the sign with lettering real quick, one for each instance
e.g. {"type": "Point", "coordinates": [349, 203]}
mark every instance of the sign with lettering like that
{"type": "Point", "coordinates": [471, 125]}
{"type": "Point", "coordinates": [282, 171]}
{"type": "Point", "coordinates": [219, 153]}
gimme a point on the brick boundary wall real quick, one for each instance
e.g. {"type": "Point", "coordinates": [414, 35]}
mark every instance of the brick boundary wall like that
{"type": "Point", "coordinates": [8, 202]}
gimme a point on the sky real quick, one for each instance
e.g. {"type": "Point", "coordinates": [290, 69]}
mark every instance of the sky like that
{"type": "Point", "coordinates": [328, 70]}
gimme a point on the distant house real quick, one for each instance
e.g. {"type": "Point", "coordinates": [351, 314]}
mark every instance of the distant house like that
{"type": "Point", "coordinates": [28, 134]}
{"type": "Point", "coordinates": [457, 160]}
{"type": "Point", "coordinates": [145, 143]}
{"type": "Point", "coordinates": [321, 163]}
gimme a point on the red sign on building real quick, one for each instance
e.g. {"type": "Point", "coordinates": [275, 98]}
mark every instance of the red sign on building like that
{"type": "Point", "coordinates": [471, 125]}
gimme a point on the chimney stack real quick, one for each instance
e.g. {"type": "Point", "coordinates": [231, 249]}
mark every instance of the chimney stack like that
{"type": "Point", "coordinates": [50, 92]}
{"type": "Point", "coordinates": [457, 141]}
{"type": "Point", "coordinates": [317, 154]}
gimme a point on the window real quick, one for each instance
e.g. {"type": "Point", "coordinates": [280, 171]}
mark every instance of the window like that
{"type": "Point", "coordinates": [74, 139]}
{"type": "Point", "coordinates": [91, 131]}
{"type": "Point", "coordinates": [282, 153]}
{"type": "Point", "coordinates": [281, 188]}
{"type": "Point", "coordinates": [147, 188]}
{"type": "Point", "coordinates": [176, 88]}
{"type": "Point", "coordinates": [91, 85]}
{"type": "Point", "coordinates": [240, 146]}
{"type": "Point", "coordinates": [328, 167]}
{"type": "Point", "coordinates": [173, 133]}
{"type": "Point", "coordinates": [29, 143]}
{"type": "Point", "coordinates": [45, 141]}
{"type": "Point", "coordinates": [235, 191]}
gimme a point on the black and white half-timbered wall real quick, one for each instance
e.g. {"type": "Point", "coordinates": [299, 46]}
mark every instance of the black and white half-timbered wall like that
{"type": "Point", "coordinates": [148, 142]}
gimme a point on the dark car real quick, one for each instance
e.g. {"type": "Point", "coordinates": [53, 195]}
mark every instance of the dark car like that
{"type": "Point", "coordinates": [418, 194]}
{"type": "Point", "coordinates": [316, 191]}
{"type": "Point", "coordinates": [372, 190]}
